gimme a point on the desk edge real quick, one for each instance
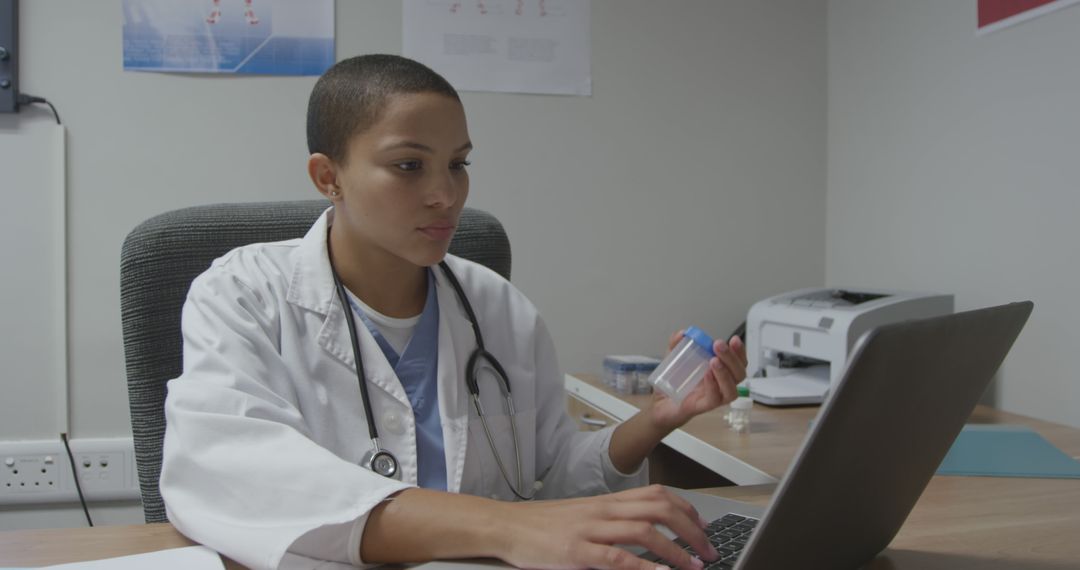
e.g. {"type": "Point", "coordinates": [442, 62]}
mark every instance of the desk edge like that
{"type": "Point", "coordinates": [734, 469]}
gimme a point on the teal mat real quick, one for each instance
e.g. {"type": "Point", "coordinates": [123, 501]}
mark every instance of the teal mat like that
{"type": "Point", "coordinates": [993, 450]}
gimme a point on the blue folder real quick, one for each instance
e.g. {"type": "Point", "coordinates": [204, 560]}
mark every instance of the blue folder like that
{"type": "Point", "coordinates": [993, 450]}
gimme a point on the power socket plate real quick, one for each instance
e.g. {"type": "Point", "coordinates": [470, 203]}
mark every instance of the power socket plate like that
{"type": "Point", "coordinates": [38, 472]}
{"type": "Point", "coordinates": [9, 56]}
{"type": "Point", "coordinates": [28, 475]}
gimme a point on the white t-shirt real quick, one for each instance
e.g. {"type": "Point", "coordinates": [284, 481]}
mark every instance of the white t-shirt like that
{"type": "Point", "coordinates": [397, 332]}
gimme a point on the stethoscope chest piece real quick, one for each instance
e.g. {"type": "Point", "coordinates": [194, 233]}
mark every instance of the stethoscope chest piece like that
{"type": "Point", "coordinates": [382, 462]}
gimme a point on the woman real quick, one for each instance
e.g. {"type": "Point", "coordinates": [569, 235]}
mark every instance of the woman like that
{"type": "Point", "coordinates": [268, 448]}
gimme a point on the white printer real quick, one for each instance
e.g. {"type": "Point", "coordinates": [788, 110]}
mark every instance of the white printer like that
{"type": "Point", "coordinates": [798, 343]}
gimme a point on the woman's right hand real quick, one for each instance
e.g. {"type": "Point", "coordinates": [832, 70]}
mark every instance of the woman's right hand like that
{"type": "Point", "coordinates": [585, 532]}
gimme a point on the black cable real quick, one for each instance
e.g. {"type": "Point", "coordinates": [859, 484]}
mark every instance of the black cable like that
{"type": "Point", "coordinates": [26, 99]}
{"type": "Point", "coordinates": [75, 475]}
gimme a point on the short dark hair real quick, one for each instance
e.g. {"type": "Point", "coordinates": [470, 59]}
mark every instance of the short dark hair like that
{"type": "Point", "coordinates": [349, 97]}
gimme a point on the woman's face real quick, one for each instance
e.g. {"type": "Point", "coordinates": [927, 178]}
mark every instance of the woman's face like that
{"type": "Point", "coordinates": [404, 180]}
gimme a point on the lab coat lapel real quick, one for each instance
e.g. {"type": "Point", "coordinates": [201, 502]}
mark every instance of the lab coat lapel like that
{"type": "Point", "coordinates": [334, 338]}
{"type": "Point", "coordinates": [455, 344]}
{"type": "Point", "coordinates": [312, 287]}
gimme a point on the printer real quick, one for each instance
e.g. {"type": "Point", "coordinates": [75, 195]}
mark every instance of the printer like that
{"type": "Point", "coordinates": [798, 343]}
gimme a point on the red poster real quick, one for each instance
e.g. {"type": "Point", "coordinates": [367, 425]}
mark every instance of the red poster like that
{"type": "Point", "coordinates": [997, 14]}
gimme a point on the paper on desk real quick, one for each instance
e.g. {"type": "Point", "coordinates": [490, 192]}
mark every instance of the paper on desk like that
{"type": "Point", "coordinates": [185, 558]}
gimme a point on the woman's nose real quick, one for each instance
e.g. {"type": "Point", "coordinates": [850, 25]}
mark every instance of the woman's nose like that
{"type": "Point", "coordinates": [445, 191]}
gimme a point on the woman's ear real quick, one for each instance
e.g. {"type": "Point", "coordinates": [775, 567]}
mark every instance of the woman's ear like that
{"type": "Point", "coordinates": [323, 173]}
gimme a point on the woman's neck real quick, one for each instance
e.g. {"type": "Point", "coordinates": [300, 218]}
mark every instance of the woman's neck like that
{"type": "Point", "coordinates": [386, 283]}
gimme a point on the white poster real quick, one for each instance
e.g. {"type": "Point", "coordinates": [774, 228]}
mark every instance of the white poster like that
{"type": "Point", "coordinates": [994, 15]}
{"type": "Point", "coordinates": [516, 46]}
{"type": "Point", "coordinates": [267, 37]}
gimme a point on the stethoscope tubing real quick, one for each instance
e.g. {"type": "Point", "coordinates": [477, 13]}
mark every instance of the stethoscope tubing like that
{"type": "Point", "coordinates": [373, 430]}
{"type": "Point", "coordinates": [478, 355]}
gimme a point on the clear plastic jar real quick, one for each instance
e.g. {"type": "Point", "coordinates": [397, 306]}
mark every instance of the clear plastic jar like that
{"type": "Point", "coordinates": [738, 416]}
{"type": "Point", "coordinates": [684, 366]}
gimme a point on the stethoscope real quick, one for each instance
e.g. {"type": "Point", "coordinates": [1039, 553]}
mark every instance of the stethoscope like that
{"type": "Point", "coordinates": [384, 462]}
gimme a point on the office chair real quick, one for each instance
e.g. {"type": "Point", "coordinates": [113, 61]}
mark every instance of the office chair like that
{"type": "Point", "coordinates": [162, 256]}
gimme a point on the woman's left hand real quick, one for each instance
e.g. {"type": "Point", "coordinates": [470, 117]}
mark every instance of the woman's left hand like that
{"type": "Point", "coordinates": [717, 388]}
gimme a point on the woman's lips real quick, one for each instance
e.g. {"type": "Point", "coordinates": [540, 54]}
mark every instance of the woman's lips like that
{"type": "Point", "coordinates": [438, 232]}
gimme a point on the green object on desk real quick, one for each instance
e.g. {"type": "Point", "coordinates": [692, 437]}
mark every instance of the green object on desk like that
{"type": "Point", "coordinates": [995, 450]}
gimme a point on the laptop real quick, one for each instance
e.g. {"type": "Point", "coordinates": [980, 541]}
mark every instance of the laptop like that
{"type": "Point", "coordinates": [880, 436]}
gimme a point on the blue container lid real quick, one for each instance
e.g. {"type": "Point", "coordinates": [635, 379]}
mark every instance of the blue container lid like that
{"type": "Point", "coordinates": [700, 338]}
{"type": "Point", "coordinates": [647, 364]}
{"type": "Point", "coordinates": [619, 364]}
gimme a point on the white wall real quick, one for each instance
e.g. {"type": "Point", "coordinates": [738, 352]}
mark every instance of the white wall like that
{"type": "Point", "coordinates": [690, 184]}
{"type": "Point", "coordinates": [953, 166]}
{"type": "Point", "coordinates": [31, 368]}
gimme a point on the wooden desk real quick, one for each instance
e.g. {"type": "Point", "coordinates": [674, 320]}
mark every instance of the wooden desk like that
{"type": "Point", "coordinates": [758, 458]}
{"type": "Point", "coordinates": [959, 522]}
{"type": "Point", "coordinates": [976, 523]}
{"type": "Point", "coordinates": [62, 545]}
{"type": "Point", "coordinates": [763, 455]}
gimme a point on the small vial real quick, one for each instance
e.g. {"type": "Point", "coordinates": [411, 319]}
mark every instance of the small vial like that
{"type": "Point", "coordinates": [619, 373]}
{"type": "Point", "coordinates": [628, 374]}
{"type": "Point", "coordinates": [625, 380]}
{"type": "Point", "coordinates": [738, 416]}
{"type": "Point", "coordinates": [641, 382]}
{"type": "Point", "coordinates": [609, 377]}
{"type": "Point", "coordinates": [643, 369]}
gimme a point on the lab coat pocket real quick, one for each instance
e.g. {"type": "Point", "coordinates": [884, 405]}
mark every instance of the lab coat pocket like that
{"type": "Point", "coordinates": [482, 473]}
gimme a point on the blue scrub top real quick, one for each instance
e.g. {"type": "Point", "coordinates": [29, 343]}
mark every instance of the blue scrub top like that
{"type": "Point", "coordinates": [417, 369]}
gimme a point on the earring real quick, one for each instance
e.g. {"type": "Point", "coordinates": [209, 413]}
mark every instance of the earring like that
{"type": "Point", "coordinates": [334, 193]}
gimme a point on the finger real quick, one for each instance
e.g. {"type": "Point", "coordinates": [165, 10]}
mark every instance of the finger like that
{"type": "Point", "coordinates": [673, 340]}
{"type": "Point", "coordinates": [604, 557]}
{"type": "Point", "coordinates": [739, 346]}
{"type": "Point", "coordinates": [731, 360]}
{"type": "Point", "coordinates": [722, 377]}
{"type": "Point", "coordinates": [659, 492]}
{"type": "Point", "coordinates": [652, 493]}
{"type": "Point", "coordinates": [640, 533]}
{"type": "Point", "coordinates": [665, 512]}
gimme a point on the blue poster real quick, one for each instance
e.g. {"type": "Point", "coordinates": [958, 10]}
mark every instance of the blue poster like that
{"type": "Point", "coordinates": [266, 37]}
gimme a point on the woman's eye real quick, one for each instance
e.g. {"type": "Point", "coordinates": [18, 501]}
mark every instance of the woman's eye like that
{"type": "Point", "coordinates": [409, 165]}
{"type": "Point", "coordinates": [459, 165]}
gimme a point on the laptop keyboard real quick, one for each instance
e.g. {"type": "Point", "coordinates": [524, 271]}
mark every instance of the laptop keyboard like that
{"type": "Point", "coordinates": [728, 534]}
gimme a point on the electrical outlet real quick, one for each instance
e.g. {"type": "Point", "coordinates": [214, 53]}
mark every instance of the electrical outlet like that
{"type": "Point", "coordinates": [106, 470]}
{"type": "Point", "coordinates": [29, 476]}
{"type": "Point", "coordinates": [39, 472]}
{"type": "Point", "coordinates": [9, 56]}
{"type": "Point", "coordinates": [31, 472]}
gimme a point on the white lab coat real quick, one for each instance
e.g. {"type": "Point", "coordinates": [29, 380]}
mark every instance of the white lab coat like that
{"type": "Point", "coordinates": [265, 428]}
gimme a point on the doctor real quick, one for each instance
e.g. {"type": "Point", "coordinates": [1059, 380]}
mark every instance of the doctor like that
{"type": "Point", "coordinates": [337, 405]}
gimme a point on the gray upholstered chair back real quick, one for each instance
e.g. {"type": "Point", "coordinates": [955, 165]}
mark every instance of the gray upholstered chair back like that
{"type": "Point", "coordinates": [164, 254]}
